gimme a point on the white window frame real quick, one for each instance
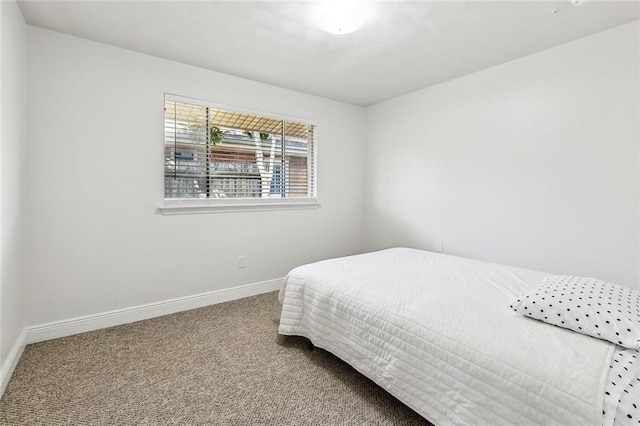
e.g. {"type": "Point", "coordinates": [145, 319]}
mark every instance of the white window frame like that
{"type": "Point", "coordinates": [218, 205]}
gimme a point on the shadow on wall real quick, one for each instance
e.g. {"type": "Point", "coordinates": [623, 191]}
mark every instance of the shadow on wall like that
{"type": "Point", "coordinates": [393, 231]}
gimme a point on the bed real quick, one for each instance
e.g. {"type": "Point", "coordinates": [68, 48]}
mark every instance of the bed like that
{"type": "Point", "coordinates": [438, 333]}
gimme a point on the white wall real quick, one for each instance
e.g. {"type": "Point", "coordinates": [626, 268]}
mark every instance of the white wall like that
{"type": "Point", "coordinates": [13, 141]}
{"type": "Point", "coordinates": [532, 163]}
{"type": "Point", "coordinates": [95, 240]}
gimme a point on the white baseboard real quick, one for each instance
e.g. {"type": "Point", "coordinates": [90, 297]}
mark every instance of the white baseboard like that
{"type": "Point", "coordinates": [6, 370]}
{"type": "Point", "coordinates": [54, 330]}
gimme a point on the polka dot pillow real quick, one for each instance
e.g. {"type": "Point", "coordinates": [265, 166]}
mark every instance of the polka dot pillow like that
{"type": "Point", "coordinates": [597, 308]}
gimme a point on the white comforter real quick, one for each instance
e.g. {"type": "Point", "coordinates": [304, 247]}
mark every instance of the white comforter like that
{"type": "Point", "coordinates": [436, 331]}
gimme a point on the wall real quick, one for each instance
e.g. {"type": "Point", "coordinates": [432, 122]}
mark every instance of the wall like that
{"type": "Point", "coordinates": [96, 241]}
{"type": "Point", "coordinates": [13, 142]}
{"type": "Point", "coordinates": [531, 163]}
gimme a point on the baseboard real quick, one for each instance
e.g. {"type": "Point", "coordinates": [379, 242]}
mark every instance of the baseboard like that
{"type": "Point", "coordinates": [69, 327]}
{"type": "Point", "coordinates": [12, 360]}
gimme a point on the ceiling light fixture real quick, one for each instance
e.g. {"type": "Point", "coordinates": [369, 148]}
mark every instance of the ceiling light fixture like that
{"type": "Point", "coordinates": [576, 2]}
{"type": "Point", "coordinates": [340, 16]}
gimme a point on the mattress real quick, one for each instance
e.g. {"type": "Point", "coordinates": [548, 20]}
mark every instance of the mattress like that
{"type": "Point", "coordinates": [436, 332]}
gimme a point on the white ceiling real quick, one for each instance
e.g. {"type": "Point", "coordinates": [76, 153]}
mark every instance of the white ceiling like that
{"type": "Point", "coordinates": [404, 46]}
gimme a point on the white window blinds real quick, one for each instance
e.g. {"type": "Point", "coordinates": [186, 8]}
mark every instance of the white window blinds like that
{"type": "Point", "coordinates": [212, 153]}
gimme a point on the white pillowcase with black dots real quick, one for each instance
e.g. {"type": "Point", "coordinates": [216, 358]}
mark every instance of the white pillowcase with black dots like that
{"type": "Point", "coordinates": [587, 305]}
{"type": "Point", "coordinates": [621, 406]}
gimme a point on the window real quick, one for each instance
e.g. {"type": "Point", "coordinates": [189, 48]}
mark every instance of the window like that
{"type": "Point", "coordinates": [220, 157]}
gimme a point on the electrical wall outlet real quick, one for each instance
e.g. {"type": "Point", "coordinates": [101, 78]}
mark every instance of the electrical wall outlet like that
{"type": "Point", "coordinates": [242, 262]}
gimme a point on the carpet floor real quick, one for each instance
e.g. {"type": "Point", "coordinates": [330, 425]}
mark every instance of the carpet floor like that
{"type": "Point", "coordinates": [219, 365]}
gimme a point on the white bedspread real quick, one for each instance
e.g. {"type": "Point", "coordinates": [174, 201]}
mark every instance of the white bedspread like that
{"type": "Point", "coordinates": [436, 331]}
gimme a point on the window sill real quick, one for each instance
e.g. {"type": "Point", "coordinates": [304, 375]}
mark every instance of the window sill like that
{"type": "Point", "coordinates": [176, 207]}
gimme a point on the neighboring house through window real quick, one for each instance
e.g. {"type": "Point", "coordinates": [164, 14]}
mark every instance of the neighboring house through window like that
{"type": "Point", "coordinates": [222, 156]}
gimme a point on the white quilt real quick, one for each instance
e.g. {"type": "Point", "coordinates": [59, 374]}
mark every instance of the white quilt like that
{"type": "Point", "coordinates": [436, 331]}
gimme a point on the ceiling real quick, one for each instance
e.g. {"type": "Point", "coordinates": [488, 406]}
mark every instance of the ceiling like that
{"type": "Point", "coordinates": [404, 46]}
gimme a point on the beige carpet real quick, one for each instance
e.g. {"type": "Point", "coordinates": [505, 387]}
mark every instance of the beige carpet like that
{"type": "Point", "coordinates": [220, 365]}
